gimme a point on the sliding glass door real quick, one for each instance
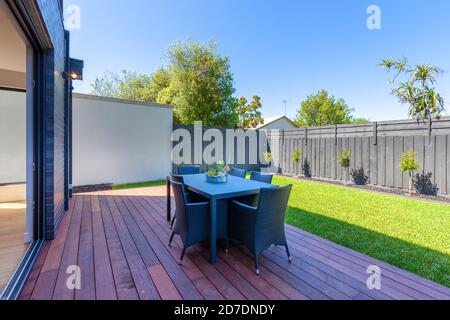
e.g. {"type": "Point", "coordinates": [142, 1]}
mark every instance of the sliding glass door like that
{"type": "Point", "coordinates": [17, 148]}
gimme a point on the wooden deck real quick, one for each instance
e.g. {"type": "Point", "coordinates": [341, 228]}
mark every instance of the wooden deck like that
{"type": "Point", "coordinates": [119, 240]}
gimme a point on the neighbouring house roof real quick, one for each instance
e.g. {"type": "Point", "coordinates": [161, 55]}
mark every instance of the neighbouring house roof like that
{"type": "Point", "coordinates": [116, 100]}
{"type": "Point", "coordinates": [269, 121]}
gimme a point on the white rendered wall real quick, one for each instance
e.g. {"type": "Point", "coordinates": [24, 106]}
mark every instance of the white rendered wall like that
{"type": "Point", "coordinates": [120, 142]}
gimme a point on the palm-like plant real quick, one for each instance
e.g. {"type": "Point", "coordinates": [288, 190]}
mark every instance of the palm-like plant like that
{"type": "Point", "coordinates": [418, 90]}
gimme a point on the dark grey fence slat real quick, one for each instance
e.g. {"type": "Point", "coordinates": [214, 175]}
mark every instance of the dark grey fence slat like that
{"type": "Point", "coordinates": [374, 155]}
{"type": "Point", "coordinates": [419, 148]}
{"type": "Point", "coordinates": [398, 150]}
{"type": "Point", "coordinates": [346, 146]}
{"type": "Point", "coordinates": [382, 161]}
{"type": "Point", "coordinates": [321, 157]}
{"type": "Point", "coordinates": [358, 152]}
{"type": "Point", "coordinates": [390, 161]}
{"type": "Point", "coordinates": [366, 156]}
{"type": "Point", "coordinates": [352, 147]}
{"type": "Point", "coordinates": [338, 154]}
{"type": "Point", "coordinates": [430, 156]}
{"type": "Point", "coordinates": [441, 163]}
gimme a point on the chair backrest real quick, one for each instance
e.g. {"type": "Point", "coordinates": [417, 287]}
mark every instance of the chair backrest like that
{"type": "Point", "coordinates": [272, 205]}
{"type": "Point", "coordinates": [185, 170]}
{"type": "Point", "coordinates": [176, 178]}
{"type": "Point", "coordinates": [258, 176]}
{"type": "Point", "coordinates": [180, 200]}
{"type": "Point", "coordinates": [240, 173]}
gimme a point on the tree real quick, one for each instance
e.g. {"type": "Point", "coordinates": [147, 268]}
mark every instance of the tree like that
{"type": "Point", "coordinates": [323, 110]}
{"type": "Point", "coordinates": [249, 114]}
{"type": "Point", "coordinates": [128, 85]}
{"type": "Point", "coordinates": [197, 82]}
{"type": "Point", "coordinates": [409, 165]}
{"type": "Point", "coordinates": [201, 87]}
{"type": "Point", "coordinates": [161, 80]}
{"type": "Point", "coordinates": [417, 88]}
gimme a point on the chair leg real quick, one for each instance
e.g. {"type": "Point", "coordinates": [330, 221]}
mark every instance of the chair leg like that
{"type": "Point", "coordinates": [173, 222]}
{"type": "Point", "coordinates": [227, 246]}
{"type": "Point", "coordinates": [288, 254]}
{"type": "Point", "coordinates": [257, 265]}
{"type": "Point", "coordinates": [171, 239]}
{"type": "Point", "coordinates": [182, 256]}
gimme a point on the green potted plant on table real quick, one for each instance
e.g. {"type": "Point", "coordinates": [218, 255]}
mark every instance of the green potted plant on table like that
{"type": "Point", "coordinates": [219, 174]}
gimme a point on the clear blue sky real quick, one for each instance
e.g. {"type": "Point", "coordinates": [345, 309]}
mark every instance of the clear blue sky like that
{"type": "Point", "coordinates": [279, 50]}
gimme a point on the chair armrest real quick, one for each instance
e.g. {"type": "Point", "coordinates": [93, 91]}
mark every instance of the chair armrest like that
{"type": "Point", "coordinates": [197, 205]}
{"type": "Point", "coordinates": [244, 207]}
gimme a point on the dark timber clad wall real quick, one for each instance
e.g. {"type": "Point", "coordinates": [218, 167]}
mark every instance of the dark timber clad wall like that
{"type": "Point", "coordinates": [54, 115]}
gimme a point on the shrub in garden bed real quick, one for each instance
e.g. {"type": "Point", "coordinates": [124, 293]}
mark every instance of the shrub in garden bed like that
{"type": "Point", "coordinates": [359, 177]}
{"type": "Point", "coordinates": [307, 169]}
{"type": "Point", "coordinates": [424, 185]}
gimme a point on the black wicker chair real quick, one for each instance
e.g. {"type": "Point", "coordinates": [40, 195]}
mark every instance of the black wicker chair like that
{"type": "Point", "coordinates": [190, 197]}
{"type": "Point", "coordinates": [259, 227]}
{"type": "Point", "coordinates": [185, 170]}
{"type": "Point", "coordinates": [192, 223]}
{"type": "Point", "coordinates": [240, 173]}
{"type": "Point", "coordinates": [261, 177]}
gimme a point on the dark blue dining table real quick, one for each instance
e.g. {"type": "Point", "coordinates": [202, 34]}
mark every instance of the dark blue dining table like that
{"type": "Point", "coordinates": [234, 188]}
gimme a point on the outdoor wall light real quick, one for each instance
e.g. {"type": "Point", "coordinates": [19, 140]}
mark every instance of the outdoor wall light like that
{"type": "Point", "coordinates": [75, 70]}
{"type": "Point", "coordinates": [70, 75]}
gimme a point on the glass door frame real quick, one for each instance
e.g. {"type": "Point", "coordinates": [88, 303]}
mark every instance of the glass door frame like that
{"type": "Point", "coordinates": [35, 92]}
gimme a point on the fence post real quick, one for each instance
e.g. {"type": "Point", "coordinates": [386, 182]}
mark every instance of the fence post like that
{"type": "Point", "coordinates": [430, 129]}
{"type": "Point", "coordinates": [375, 133]}
{"type": "Point", "coordinates": [306, 136]}
{"type": "Point", "coordinates": [335, 135]}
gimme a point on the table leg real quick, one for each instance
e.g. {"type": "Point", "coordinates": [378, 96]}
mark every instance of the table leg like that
{"type": "Point", "coordinates": [213, 231]}
{"type": "Point", "coordinates": [169, 210]}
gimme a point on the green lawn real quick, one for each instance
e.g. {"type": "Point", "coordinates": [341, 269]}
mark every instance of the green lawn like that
{"type": "Point", "coordinates": [410, 234]}
{"type": "Point", "coordinates": [140, 185]}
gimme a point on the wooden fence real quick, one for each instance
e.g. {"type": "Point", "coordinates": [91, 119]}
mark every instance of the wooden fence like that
{"type": "Point", "coordinates": [375, 147]}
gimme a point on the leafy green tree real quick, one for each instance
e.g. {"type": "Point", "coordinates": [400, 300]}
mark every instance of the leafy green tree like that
{"type": "Point", "coordinates": [158, 90]}
{"type": "Point", "coordinates": [410, 165]}
{"type": "Point", "coordinates": [201, 87]}
{"type": "Point", "coordinates": [416, 88]}
{"type": "Point", "coordinates": [322, 109]}
{"type": "Point", "coordinates": [127, 85]}
{"type": "Point", "coordinates": [249, 114]}
{"type": "Point", "coordinates": [198, 82]}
